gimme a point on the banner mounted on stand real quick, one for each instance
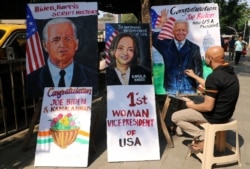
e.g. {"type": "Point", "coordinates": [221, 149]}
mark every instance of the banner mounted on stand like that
{"type": "Point", "coordinates": [132, 133]}
{"type": "Point", "coordinates": [198, 28]}
{"type": "Point", "coordinates": [61, 63]}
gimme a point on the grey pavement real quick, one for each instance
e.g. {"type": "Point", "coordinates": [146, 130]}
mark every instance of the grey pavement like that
{"type": "Point", "coordinates": [12, 155]}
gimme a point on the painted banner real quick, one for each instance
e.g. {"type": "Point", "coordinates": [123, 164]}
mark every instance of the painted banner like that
{"type": "Point", "coordinates": [196, 27]}
{"type": "Point", "coordinates": [61, 36]}
{"type": "Point", "coordinates": [128, 54]}
{"type": "Point", "coordinates": [132, 133]}
{"type": "Point", "coordinates": [64, 128]}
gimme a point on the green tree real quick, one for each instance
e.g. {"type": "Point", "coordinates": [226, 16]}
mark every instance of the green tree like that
{"type": "Point", "coordinates": [233, 13]}
{"type": "Point", "coordinates": [129, 18]}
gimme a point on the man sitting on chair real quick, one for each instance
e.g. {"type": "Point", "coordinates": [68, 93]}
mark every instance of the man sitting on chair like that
{"type": "Point", "coordinates": [221, 95]}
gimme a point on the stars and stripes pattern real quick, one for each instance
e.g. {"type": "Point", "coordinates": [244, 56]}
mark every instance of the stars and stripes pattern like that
{"type": "Point", "coordinates": [167, 29]}
{"type": "Point", "coordinates": [34, 54]}
{"type": "Point", "coordinates": [155, 19]}
{"type": "Point", "coordinates": [110, 34]}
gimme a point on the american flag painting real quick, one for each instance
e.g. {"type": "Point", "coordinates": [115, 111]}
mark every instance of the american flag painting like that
{"type": "Point", "coordinates": [155, 19]}
{"type": "Point", "coordinates": [34, 54]}
{"type": "Point", "coordinates": [110, 34]}
{"type": "Point", "coordinates": [167, 29]}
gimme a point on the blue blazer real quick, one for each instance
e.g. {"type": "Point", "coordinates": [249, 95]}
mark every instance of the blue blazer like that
{"type": "Point", "coordinates": [41, 78]}
{"type": "Point", "coordinates": [176, 62]}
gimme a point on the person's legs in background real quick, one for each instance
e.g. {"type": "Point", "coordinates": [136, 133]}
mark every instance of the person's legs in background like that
{"type": "Point", "coordinates": [237, 57]}
{"type": "Point", "coordinates": [231, 54]}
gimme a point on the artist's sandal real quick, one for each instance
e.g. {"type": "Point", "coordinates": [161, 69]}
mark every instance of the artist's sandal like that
{"type": "Point", "coordinates": [194, 150]}
{"type": "Point", "coordinates": [196, 146]}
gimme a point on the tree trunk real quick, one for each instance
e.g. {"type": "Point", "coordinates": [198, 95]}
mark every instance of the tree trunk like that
{"type": "Point", "coordinates": [145, 14]}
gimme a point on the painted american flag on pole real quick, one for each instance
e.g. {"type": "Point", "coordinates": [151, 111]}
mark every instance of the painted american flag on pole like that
{"type": "Point", "coordinates": [155, 19]}
{"type": "Point", "coordinates": [167, 29]}
{"type": "Point", "coordinates": [110, 34]}
{"type": "Point", "coordinates": [34, 53]}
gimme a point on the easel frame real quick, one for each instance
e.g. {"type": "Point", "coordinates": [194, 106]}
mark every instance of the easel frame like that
{"type": "Point", "coordinates": [162, 113]}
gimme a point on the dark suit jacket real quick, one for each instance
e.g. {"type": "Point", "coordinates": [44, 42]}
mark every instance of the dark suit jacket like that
{"type": "Point", "coordinates": [138, 76]}
{"type": "Point", "coordinates": [40, 78]}
{"type": "Point", "coordinates": [176, 62]}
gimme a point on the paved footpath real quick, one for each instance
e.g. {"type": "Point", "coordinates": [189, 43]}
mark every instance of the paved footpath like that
{"type": "Point", "coordinates": [12, 156]}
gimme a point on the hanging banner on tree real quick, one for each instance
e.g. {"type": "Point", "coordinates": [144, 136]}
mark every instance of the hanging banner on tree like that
{"type": "Point", "coordinates": [132, 133]}
{"type": "Point", "coordinates": [64, 128]}
{"type": "Point", "coordinates": [180, 36]}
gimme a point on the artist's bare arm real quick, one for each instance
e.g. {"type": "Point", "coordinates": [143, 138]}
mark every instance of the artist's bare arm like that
{"type": "Point", "coordinates": [206, 106]}
{"type": "Point", "coordinates": [191, 73]}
